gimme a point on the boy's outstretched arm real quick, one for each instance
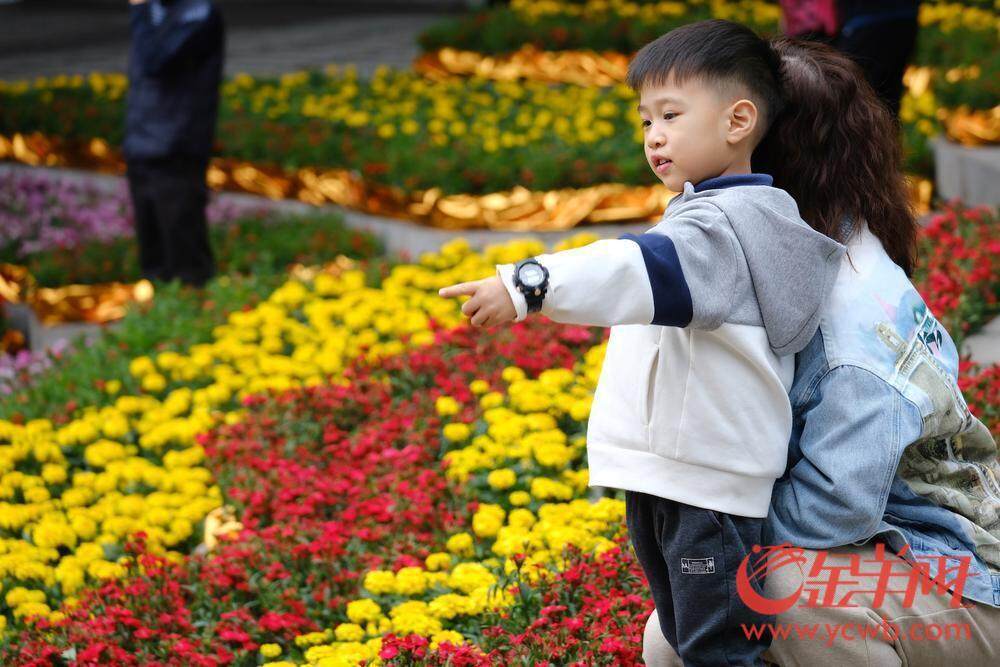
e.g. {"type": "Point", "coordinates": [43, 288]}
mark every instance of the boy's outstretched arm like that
{"type": "Point", "coordinates": [680, 273]}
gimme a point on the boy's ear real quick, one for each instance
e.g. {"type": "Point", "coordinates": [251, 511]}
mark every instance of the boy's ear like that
{"type": "Point", "coordinates": [742, 121]}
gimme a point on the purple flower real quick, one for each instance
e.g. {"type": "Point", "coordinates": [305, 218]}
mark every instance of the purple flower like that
{"type": "Point", "coordinates": [40, 211]}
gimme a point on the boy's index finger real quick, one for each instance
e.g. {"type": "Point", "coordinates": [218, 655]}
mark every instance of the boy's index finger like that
{"type": "Point", "coordinates": [458, 290]}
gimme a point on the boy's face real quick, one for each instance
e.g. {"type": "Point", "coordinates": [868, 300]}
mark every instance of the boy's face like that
{"type": "Point", "coordinates": [688, 126]}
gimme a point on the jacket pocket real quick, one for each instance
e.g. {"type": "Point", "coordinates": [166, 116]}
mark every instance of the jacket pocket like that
{"type": "Point", "coordinates": [646, 377]}
{"type": "Point", "coordinates": [625, 396]}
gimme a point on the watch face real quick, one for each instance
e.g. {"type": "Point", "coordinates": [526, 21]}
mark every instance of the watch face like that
{"type": "Point", "coordinates": [531, 275]}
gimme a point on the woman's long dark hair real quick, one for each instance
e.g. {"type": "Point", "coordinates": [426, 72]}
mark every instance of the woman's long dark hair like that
{"type": "Point", "coordinates": [835, 148]}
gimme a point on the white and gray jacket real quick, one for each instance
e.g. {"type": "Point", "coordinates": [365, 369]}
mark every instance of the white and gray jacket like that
{"type": "Point", "coordinates": [706, 310]}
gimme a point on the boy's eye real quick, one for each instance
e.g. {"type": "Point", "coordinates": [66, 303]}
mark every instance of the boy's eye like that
{"type": "Point", "coordinates": [646, 123]}
{"type": "Point", "coordinates": [670, 115]}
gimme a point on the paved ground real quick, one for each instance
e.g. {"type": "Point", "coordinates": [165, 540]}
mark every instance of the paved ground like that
{"type": "Point", "coordinates": [985, 345]}
{"type": "Point", "coordinates": [44, 38]}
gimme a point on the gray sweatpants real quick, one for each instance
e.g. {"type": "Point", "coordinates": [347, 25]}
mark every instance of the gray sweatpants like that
{"type": "Point", "coordinates": [690, 557]}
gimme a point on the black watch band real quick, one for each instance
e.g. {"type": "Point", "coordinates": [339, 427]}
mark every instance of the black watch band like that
{"type": "Point", "coordinates": [532, 295]}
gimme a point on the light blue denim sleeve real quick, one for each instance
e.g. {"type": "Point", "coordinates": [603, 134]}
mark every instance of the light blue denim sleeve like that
{"type": "Point", "coordinates": [855, 427]}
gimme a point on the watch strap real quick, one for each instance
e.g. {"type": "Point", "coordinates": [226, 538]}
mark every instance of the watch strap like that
{"type": "Point", "coordinates": [533, 296]}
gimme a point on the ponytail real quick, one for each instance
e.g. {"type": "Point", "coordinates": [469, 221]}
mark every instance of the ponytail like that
{"type": "Point", "coordinates": [835, 148]}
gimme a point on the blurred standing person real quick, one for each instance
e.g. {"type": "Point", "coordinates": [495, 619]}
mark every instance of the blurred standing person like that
{"type": "Point", "coordinates": [879, 35]}
{"type": "Point", "coordinates": [175, 68]}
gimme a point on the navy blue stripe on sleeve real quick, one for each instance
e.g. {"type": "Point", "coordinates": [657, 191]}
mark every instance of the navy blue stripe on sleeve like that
{"type": "Point", "coordinates": [671, 296]}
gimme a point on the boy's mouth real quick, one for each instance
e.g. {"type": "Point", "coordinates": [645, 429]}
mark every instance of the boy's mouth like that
{"type": "Point", "coordinates": [661, 164]}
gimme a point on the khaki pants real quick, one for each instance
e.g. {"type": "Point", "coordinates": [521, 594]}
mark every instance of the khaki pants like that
{"type": "Point", "coordinates": [927, 633]}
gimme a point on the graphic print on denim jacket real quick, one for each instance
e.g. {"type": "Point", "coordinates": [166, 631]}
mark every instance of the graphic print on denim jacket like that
{"type": "Point", "coordinates": [954, 462]}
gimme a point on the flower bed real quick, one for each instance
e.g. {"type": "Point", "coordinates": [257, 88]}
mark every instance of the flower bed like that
{"type": "Point", "coordinates": [959, 267]}
{"type": "Point", "coordinates": [410, 491]}
{"type": "Point", "coordinates": [70, 233]}
{"type": "Point", "coordinates": [957, 55]}
{"type": "Point", "coordinates": [952, 34]}
{"type": "Point", "coordinates": [461, 136]}
{"type": "Point", "coordinates": [396, 129]}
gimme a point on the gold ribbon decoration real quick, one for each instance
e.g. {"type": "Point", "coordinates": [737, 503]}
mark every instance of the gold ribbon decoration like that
{"type": "Point", "coordinates": [583, 68]}
{"type": "Point", "coordinates": [100, 303]}
{"type": "Point", "coordinates": [15, 282]}
{"type": "Point", "coordinates": [973, 128]}
{"type": "Point", "coordinates": [590, 68]}
{"type": "Point", "coordinates": [518, 209]}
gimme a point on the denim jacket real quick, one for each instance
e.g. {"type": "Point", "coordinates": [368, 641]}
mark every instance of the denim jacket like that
{"type": "Point", "coordinates": [883, 443]}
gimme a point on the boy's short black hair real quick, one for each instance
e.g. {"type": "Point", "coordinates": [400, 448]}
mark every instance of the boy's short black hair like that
{"type": "Point", "coordinates": [718, 52]}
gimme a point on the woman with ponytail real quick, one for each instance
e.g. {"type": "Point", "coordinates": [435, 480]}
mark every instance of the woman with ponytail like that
{"type": "Point", "coordinates": [889, 508]}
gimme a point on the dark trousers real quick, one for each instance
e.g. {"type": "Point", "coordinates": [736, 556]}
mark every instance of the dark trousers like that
{"type": "Point", "coordinates": [690, 557]}
{"type": "Point", "coordinates": [169, 196]}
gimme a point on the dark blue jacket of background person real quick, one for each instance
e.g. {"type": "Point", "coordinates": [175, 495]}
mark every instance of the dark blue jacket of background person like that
{"type": "Point", "coordinates": [175, 68]}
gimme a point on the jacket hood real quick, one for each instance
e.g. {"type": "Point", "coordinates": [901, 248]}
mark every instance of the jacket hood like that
{"type": "Point", "coordinates": [792, 266]}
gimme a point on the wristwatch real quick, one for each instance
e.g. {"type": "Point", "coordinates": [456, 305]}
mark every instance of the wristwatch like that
{"type": "Point", "coordinates": [532, 280]}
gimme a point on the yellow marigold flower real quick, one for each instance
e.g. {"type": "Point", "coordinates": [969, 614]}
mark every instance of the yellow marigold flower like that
{"type": "Point", "coordinates": [51, 533]}
{"type": "Point", "coordinates": [447, 406]}
{"type": "Point", "coordinates": [553, 455]}
{"type": "Point", "coordinates": [70, 577]}
{"type": "Point", "coordinates": [311, 639]}
{"type": "Point", "coordinates": [379, 627]}
{"type": "Point", "coordinates": [479, 387]}
{"type": "Point", "coordinates": [53, 473]}
{"type": "Point", "coordinates": [502, 479]}
{"type": "Point", "coordinates": [519, 498]}
{"type": "Point", "coordinates": [380, 582]}
{"type": "Point", "coordinates": [467, 577]}
{"type": "Point", "coordinates": [115, 426]}
{"type": "Point", "coordinates": [411, 581]}
{"type": "Point", "coordinates": [270, 650]}
{"type": "Point", "coordinates": [416, 624]}
{"type": "Point", "coordinates": [37, 494]}
{"type": "Point", "coordinates": [460, 543]}
{"type": "Point", "coordinates": [491, 399]}
{"type": "Point", "coordinates": [450, 605]}
{"type": "Point", "coordinates": [486, 525]}
{"type": "Point", "coordinates": [153, 383]}
{"type": "Point", "coordinates": [487, 520]}
{"type": "Point", "coordinates": [580, 409]}
{"type": "Point", "coordinates": [544, 488]}
{"type": "Point", "coordinates": [141, 366]}
{"type": "Point", "coordinates": [438, 561]}
{"type": "Point", "coordinates": [512, 374]}
{"type": "Point", "coordinates": [408, 608]}
{"type": "Point", "coordinates": [360, 611]}
{"type": "Point", "coordinates": [32, 609]}
{"type": "Point", "coordinates": [20, 595]}
{"type": "Point", "coordinates": [349, 632]}
{"type": "Point", "coordinates": [457, 432]}
{"type": "Point", "coordinates": [521, 518]}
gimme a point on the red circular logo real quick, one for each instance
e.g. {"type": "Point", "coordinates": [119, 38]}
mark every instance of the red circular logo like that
{"type": "Point", "coordinates": [773, 557]}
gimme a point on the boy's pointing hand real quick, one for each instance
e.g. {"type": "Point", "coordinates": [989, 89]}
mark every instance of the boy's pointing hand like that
{"type": "Point", "coordinates": [489, 305]}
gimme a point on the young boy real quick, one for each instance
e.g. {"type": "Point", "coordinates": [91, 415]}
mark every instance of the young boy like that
{"type": "Point", "coordinates": [691, 415]}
